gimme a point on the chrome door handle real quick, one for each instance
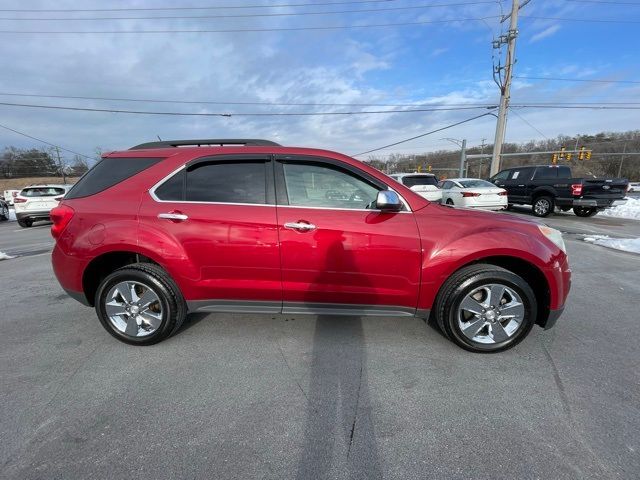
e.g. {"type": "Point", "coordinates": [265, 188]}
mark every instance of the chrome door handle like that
{"type": "Point", "coordinates": [305, 227]}
{"type": "Point", "coordinates": [521, 185]}
{"type": "Point", "coordinates": [179, 217]}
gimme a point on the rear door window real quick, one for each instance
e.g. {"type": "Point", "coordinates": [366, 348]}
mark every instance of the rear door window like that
{"type": "Point", "coordinates": [546, 172]}
{"type": "Point", "coordinates": [227, 182]}
{"type": "Point", "coordinates": [107, 173]}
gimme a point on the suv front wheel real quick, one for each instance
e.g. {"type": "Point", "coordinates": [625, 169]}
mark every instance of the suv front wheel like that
{"type": "Point", "coordinates": [485, 308]}
{"type": "Point", "coordinates": [140, 304]}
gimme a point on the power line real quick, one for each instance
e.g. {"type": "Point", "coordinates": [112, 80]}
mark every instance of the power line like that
{"type": "Point", "coordinates": [44, 141]}
{"type": "Point", "coordinates": [216, 7]}
{"type": "Point", "coordinates": [219, 102]}
{"type": "Point", "coordinates": [584, 20]}
{"type": "Point", "coordinates": [289, 104]}
{"type": "Point", "coordinates": [606, 2]}
{"type": "Point", "coordinates": [247, 30]}
{"type": "Point", "coordinates": [611, 106]}
{"type": "Point", "coordinates": [248, 114]}
{"type": "Point", "coordinates": [260, 15]}
{"type": "Point", "coordinates": [423, 134]}
{"type": "Point", "coordinates": [579, 80]}
{"type": "Point", "coordinates": [527, 122]}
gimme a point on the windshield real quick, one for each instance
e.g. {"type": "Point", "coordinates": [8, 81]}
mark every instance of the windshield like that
{"type": "Point", "coordinates": [413, 180]}
{"type": "Point", "coordinates": [476, 183]}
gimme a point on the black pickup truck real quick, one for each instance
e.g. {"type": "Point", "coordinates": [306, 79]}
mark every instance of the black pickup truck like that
{"type": "Point", "coordinates": [548, 186]}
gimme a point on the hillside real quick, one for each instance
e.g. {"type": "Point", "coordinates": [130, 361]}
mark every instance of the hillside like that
{"type": "Point", "coordinates": [20, 183]}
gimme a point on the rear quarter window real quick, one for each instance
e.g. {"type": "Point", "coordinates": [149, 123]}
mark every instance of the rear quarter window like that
{"type": "Point", "coordinates": [107, 173]}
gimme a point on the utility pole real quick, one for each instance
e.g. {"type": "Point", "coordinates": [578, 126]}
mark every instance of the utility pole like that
{"type": "Point", "coordinates": [624, 150]}
{"type": "Point", "coordinates": [505, 86]}
{"type": "Point", "coordinates": [61, 166]}
{"type": "Point", "coordinates": [463, 157]}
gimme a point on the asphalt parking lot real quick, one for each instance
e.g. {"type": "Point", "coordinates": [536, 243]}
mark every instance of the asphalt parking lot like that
{"type": "Point", "coordinates": [264, 396]}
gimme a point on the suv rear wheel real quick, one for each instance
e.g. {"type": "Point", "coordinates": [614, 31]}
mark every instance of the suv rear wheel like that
{"type": "Point", "coordinates": [4, 212]}
{"type": "Point", "coordinates": [542, 206]}
{"type": "Point", "coordinates": [140, 304]}
{"type": "Point", "coordinates": [25, 223]}
{"type": "Point", "coordinates": [485, 308]}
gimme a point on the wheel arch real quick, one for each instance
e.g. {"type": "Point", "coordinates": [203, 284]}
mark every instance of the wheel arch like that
{"type": "Point", "coordinates": [106, 263]}
{"type": "Point", "coordinates": [525, 269]}
{"type": "Point", "coordinates": [543, 191]}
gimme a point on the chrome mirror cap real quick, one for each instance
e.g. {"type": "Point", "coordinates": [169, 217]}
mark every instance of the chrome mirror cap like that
{"type": "Point", "coordinates": [388, 200]}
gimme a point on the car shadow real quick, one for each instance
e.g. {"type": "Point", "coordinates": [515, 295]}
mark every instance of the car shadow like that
{"type": "Point", "coordinates": [338, 432]}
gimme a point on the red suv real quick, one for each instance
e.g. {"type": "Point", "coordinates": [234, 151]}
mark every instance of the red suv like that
{"type": "Point", "coordinates": [167, 228]}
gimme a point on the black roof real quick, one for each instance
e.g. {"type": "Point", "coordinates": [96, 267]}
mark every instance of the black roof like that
{"type": "Point", "coordinates": [247, 142]}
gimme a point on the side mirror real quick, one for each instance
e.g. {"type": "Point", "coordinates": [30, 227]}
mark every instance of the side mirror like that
{"type": "Point", "coordinates": [388, 201]}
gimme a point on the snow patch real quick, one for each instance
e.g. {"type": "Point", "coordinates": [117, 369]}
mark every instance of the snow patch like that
{"type": "Point", "coordinates": [624, 244]}
{"type": "Point", "coordinates": [631, 209]}
{"type": "Point", "coordinates": [4, 256]}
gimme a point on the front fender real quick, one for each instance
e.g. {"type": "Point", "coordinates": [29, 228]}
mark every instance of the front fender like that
{"type": "Point", "coordinates": [444, 257]}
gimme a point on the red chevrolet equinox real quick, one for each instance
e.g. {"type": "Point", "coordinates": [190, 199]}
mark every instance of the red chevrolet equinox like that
{"type": "Point", "coordinates": [167, 228]}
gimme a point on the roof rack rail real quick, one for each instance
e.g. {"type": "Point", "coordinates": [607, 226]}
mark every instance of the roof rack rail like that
{"type": "Point", "coordinates": [247, 142]}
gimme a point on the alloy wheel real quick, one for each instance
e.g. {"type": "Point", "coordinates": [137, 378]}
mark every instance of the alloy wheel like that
{"type": "Point", "coordinates": [134, 309]}
{"type": "Point", "coordinates": [491, 313]}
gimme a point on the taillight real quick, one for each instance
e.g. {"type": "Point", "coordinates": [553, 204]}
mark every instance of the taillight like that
{"type": "Point", "coordinates": [19, 200]}
{"type": "Point", "coordinates": [576, 189]}
{"type": "Point", "coordinates": [471, 194]}
{"type": "Point", "coordinates": [60, 216]}
{"type": "Point", "coordinates": [503, 193]}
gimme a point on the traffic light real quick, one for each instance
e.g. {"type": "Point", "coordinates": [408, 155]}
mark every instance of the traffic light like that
{"type": "Point", "coordinates": [569, 155]}
{"type": "Point", "coordinates": [419, 168]}
{"type": "Point", "coordinates": [554, 158]}
{"type": "Point", "coordinates": [429, 168]}
{"type": "Point", "coordinates": [588, 155]}
{"type": "Point", "coordinates": [562, 149]}
{"type": "Point", "coordinates": [581, 153]}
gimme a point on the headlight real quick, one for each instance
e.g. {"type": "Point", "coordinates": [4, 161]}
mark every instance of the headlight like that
{"type": "Point", "coordinates": [554, 235]}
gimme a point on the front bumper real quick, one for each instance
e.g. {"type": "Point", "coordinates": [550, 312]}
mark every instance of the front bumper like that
{"type": "Point", "coordinates": [552, 318]}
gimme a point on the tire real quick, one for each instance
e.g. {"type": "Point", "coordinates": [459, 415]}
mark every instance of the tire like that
{"type": "Point", "coordinates": [450, 202]}
{"type": "Point", "coordinates": [4, 214]}
{"type": "Point", "coordinates": [542, 206]}
{"type": "Point", "coordinates": [490, 336]}
{"type": "Point", "coordinates": [585, 211]}
{"type": "Point", "coordinates": [150, 325]}
{"type": "Point", "coordinates": [25, 223]}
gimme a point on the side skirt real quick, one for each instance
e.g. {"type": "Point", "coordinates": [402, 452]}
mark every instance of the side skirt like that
{"type": "Point", "coordinates": [301, 308]}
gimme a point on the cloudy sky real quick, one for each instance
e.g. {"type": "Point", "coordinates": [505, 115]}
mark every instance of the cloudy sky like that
{"type": "Point", "coordinates": [439, 56]}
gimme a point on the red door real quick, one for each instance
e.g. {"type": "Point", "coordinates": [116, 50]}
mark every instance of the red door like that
{"type": "Point", "coordinates": [337, 253]}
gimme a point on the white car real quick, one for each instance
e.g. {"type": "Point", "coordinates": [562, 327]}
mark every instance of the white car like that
{"type": "Point", "coordinates": [473, 193]}
{"type": "Point", "coordinates": [34, 202]}
{"type": "Point", "coordinates": [9, 195]}
{"type": "Point", "coordinates": [634, 187]}
{"type": "Point", "coordinates": [424, 184]}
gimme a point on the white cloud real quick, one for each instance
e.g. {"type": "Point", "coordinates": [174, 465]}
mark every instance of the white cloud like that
{"type": "Point", "coordinates": [547, 32]}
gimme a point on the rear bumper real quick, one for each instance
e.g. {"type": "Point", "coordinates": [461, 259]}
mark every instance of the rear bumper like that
{"type": "Point", "coordinates": [79, 296]}
{"type": "Point", "coordinates": [33, 215]}
{"type": "Point", "coordinates": [590, 202]}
